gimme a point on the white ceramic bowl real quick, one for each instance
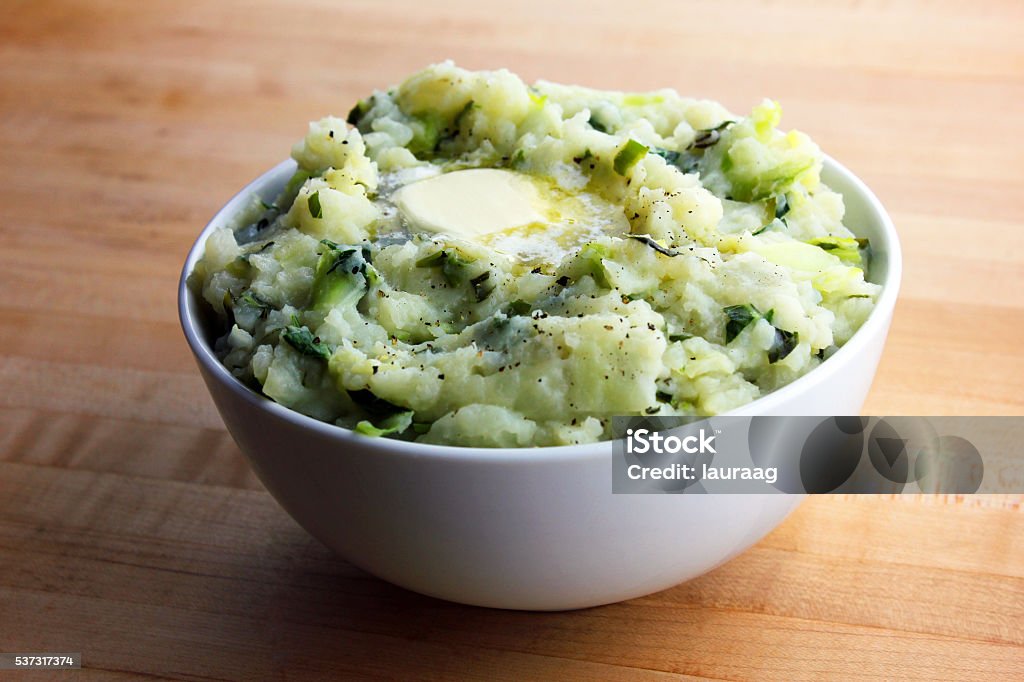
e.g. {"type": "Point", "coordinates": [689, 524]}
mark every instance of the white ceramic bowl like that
{"type": "Point", "coordinates": [521, 528]}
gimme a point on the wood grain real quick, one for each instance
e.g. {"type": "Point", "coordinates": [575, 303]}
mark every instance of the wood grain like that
{"type": "Point", "coordinates": [131, 528]}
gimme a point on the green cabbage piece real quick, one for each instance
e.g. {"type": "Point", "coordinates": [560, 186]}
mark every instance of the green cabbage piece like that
{"type": "Point", "coordinates": [339, 278]}
{"type": "Point", "coordinates": [393, 424]}
{"type": "Point", "coordinates": [759, 161]}
{"type": "Point", "coordinates": [846, 249]}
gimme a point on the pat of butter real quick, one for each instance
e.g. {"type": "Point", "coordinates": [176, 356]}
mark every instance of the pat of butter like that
{"type": "Point", "coordinates": [470, 203]}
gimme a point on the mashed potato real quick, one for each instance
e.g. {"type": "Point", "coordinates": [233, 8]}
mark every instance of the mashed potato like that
{"type": "Point", "coordinates": [470, 260]}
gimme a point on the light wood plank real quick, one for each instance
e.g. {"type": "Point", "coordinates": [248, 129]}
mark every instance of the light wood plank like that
{"type": "Point", "coordinates": [216, 562]}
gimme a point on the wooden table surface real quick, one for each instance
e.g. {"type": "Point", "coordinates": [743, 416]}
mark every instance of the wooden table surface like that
{"type": "Point", "coordinates": [132, 530]}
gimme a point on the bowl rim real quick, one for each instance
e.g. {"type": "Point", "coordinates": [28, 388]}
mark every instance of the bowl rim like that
{"type": "Point", "coordinates": [876, 323]}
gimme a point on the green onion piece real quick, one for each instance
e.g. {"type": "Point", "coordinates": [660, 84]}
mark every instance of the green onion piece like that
{"type": "Point", "coordinates": [592, 255]}
{"type": "Point", "coordinates": [315, 209]}
{"type": "Point", "coordinates": [628, 156]}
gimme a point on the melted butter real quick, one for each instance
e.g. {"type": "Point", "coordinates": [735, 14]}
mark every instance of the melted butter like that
{"type": "Point", "coordinates": [572, 220]}
{"type": "Point", "coordinates": [471, 203]}
{"type": "Point", "coordinates": [517, 214]}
